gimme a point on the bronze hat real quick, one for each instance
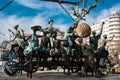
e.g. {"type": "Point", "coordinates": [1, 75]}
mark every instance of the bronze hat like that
{"type": "Point", "coordinates": [37, 27]}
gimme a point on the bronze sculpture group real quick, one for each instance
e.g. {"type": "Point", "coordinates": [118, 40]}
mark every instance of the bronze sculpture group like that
{"type": "Point", "coordinates": [46, 50]}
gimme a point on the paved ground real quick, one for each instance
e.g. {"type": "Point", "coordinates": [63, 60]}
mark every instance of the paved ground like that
{"type": "Point", "coordinates": [56, 75]}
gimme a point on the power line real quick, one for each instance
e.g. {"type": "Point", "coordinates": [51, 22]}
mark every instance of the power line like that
{"type": "Point", "coordinates": [6, 5]}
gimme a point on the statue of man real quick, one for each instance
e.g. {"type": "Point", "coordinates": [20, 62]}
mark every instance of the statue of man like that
{"type": "Point", "coordinates": [94, 39]}
{"type": "Point", "coordinates": [103, 52]}
{"type": "Point", "coordinates": [94, 45]}
{"type": "Point", "coordinates": [79, 44]}
{"type": "Point", "coordinates": [45, 41]}
{"type": "Point", "coordinates": [33, 41]}
{"type": "Point", "coordinates": [70, 38]}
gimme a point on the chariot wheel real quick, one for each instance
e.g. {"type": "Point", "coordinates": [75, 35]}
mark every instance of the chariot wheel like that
{"type": "Point", "coordinates": [29, 69]}
{"type": "Point", "coordinates": [34, 69]}
{"type": "Point", "coordinates": [10, 68]}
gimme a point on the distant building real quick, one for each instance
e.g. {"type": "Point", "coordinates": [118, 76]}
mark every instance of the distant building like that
{"type": "Point", "coordinates": [110, 28]}
{"type": "Point", "coordinates": [3, 51]}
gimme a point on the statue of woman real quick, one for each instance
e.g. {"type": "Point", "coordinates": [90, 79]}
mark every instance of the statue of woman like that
{"type": "Point", "coordinates": [18, 41]}
{"type": "Point", "coordinates": [94, 39]}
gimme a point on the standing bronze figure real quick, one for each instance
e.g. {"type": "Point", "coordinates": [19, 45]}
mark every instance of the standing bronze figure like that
{"type": "Point", "coordinates": [95, 38]}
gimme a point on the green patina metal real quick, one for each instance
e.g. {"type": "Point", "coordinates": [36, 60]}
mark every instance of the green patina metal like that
{"type": "Point", "coordinates": [33, 45]}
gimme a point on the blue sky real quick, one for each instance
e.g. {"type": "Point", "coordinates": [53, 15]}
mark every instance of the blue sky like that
{"type": "Point", "coordinates": [27, 13]}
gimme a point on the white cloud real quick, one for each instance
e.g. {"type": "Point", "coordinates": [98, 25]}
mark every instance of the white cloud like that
{"type": "Point", "coordinates": [49, 8]}
{"type": "Point", "coordinates": [103, 14]}
{"type": "Point", "coordinates": [95, 17]}
{"type": "Point", "coordinates": [42, 18]}
{"type": "Point", "coordinates": [25, 23]}
{"type": "Point", "coordinates": [38, 4]}
{"type": "Point", "coordinates": [55, 9]}
{"type": "Point", "coordinates": [35, 4]}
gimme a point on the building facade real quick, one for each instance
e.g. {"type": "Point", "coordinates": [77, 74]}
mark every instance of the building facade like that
{"type": "Point", "coordinates": [110, 28]}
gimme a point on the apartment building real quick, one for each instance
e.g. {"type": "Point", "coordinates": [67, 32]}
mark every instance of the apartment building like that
{"type": "Point", "coordinates": [110, 28]}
